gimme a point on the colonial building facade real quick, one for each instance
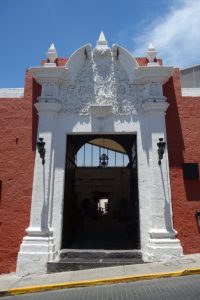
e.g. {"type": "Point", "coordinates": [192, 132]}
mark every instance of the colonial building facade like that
{"type": "Point", "coordinates": [104, 97]}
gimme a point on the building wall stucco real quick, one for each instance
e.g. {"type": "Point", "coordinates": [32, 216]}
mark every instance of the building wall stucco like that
{"type": "Point", "coordinates": [18, 131]}
{"type": "Point", "coordinates": [183, 127]}
{"type": "Point", "coordinates": [100, 90]}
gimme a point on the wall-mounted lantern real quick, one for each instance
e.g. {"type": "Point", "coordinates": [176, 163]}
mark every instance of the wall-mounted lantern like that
{"type": "Point", "coordinates": [197, 215]}
{"type": "Point", "coordinates": [103, 160]}
{"type": "Point", "coordinates": [41, 149]}
{"type": "Point", "coordinates": [161, 149]}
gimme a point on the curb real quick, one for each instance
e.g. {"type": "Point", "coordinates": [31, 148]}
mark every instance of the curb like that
{"type": "Point", "coordinates": [95, 282]}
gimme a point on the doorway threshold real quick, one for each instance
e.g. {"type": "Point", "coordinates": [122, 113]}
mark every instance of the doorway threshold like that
{"type": "Point", "coordinates": [79, 259]}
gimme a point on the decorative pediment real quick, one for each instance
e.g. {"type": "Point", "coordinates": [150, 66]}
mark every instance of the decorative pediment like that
{"type": "Point", "coordinates": [101, 81]}
{"type": "Point", "coordinates": [103, 76]}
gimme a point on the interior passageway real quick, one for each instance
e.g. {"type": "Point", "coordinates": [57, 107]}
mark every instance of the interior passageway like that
{"type": "Point", "coordinates": [101, 198]}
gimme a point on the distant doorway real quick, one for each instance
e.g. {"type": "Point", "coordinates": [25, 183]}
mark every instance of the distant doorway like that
{"type": "Point", "coordinates": [101, 193]}
{"type": "Point", "coordinates": [102, 205]}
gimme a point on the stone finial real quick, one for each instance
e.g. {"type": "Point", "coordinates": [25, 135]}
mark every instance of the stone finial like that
{"type": "Point", "coordinates": [102, 41]}
{"type": "Point", "coordinates": [52, 54]}
{"type": "Point", "coordinates": [151, 54]}
{"type": "Point", "coordinates": [151, 47]}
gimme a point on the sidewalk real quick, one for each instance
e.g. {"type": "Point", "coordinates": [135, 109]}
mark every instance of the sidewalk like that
{"type": "Point", "coordinates": [10, 284]}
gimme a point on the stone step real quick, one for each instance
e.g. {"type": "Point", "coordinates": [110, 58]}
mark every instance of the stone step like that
{"type": "Point", "coordinates": [99, 254]}
{"type": "Point", "coordinates": [72, 265]}
{"type": "Point", "coordinates": [70, 260]}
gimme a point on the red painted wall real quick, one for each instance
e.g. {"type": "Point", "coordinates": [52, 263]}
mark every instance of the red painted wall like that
{"type": "Point", "coordinates": [18, 129]}
{"type": "Point", "coordinates": [18, 133]}
{"type": "Point", "coordinates": [183, 134]}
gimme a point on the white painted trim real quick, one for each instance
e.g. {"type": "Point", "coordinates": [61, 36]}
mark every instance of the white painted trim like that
{"type": "Point", "coordinates": [11, 93]}
{"type": "Point", "coordinates": [190, 92]}
{"type": "Point", "coordinates": [60, 112]}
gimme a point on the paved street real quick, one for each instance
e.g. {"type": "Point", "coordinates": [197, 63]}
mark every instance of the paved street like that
{"type": "Point", "coordinates": [180, 288]}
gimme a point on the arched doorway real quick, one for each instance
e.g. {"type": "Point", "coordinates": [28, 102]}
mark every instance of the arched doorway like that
{"type": "Point", "coordinates": [101, 197]}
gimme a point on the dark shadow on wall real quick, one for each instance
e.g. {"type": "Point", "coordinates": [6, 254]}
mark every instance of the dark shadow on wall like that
{"type": "Point", "coordinates": [173, 124]}
{"type": "Point", "coordinates": [192, 189]}
{"type": "Point", "coordinates": [36, 92]}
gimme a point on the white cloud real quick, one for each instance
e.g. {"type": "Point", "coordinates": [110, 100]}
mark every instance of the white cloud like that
{"type": "Point", "coordinates": [176, 35]}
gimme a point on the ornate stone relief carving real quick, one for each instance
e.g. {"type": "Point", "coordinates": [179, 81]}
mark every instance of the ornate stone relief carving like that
{"type": "Point", "coordinates": [49, 92]}
{"type": "Point", "coordinates": [153, 93]}
{"type": "Point", "coordinates": [48, 89]}
{"type": "Point", "coordinates": [102, 81]}
{"type": "Point", "coordinates": [155, 89]}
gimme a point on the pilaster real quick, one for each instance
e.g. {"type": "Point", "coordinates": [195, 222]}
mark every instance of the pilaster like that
{"type": "Point", "coordinates": [38, 245]}
{"type": "Point", "coordinates": [162, 241]}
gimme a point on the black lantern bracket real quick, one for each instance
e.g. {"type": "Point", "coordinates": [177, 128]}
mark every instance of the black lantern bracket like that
{"type": "Point", "coordinates": [41, 149]}
{"type": "Point", "coordinates": [161, 149]}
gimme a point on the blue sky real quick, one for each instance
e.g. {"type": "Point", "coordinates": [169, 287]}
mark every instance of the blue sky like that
{"type": "Point", "coordinates": [28, 27]}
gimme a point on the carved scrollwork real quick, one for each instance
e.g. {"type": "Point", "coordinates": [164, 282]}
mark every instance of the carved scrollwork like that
{"type": "Point", "coordinates": [102, 81]}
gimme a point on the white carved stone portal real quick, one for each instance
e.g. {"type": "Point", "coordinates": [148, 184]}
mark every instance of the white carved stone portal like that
{"type": "Point", "coordinates": [100, 90]}
{"type": "Point", "coordinates": [101, 81]}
